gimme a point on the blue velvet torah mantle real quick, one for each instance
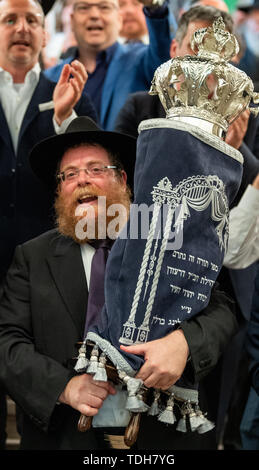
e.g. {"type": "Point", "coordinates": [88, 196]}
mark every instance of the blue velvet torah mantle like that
{"type": "Point", "coordinates": [161, 271]}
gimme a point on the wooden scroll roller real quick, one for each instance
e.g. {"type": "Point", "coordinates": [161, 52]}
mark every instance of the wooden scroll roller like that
{"type": "Point", "coordinates": [131, 432]}
{"type": "Point", "coordinates": [85, 422]}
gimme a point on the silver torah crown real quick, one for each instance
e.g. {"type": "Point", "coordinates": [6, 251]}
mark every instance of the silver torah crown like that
{"type": "Point", "coordinates": [205, 86]}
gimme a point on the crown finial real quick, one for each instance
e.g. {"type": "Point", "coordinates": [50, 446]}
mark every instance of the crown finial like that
{"type": "Point", "coordinates": [205, 86]}
{"type": "Point", "coordinates": [215, 41]}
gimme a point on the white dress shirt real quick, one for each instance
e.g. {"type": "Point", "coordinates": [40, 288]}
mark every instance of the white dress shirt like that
{"type": "Point", "coordinates": [144, 39]}
{"type": "Point", "coordinates": [243, 244]}
{"type": "Point", "coordinates": [112, 412]}
{"type": "Point", "coordinates": [15, 99]}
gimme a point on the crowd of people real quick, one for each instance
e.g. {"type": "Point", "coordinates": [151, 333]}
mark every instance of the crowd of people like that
{"type": "Point", "coordinates": [75, 76]}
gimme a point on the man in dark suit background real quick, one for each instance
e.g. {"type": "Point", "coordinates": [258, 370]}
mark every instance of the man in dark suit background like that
{"type": "Point", "coordinates": [42, 311]}
{"type": "Point", "coordinates": [27, 115]}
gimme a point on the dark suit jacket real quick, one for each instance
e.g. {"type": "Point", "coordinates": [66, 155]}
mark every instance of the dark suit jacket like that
{"type": "Point", "coordinates": [42, 314]}
{"type": "Point", "coordinates": [250, 64]}
{"type": "Point", "coordinates": [47, 5]}
{"type": "Point", "coordinates": [252, 341]}
{"type": "Point", "coordinates": [25, 203]}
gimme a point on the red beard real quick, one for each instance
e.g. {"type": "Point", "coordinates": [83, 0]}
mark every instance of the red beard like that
{"type": "Point", "coordinates": [78, 219]}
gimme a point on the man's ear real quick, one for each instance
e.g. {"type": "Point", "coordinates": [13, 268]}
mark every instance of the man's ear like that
{"type": "Point", "coordinates": [45, 38]}
{"type": "Point", "coordinates": [120, 20]}
{"type": "Point", "coordinates": [72, 21]}
{"type": "Point", "coordinates": [123, 175]}
{"type": "Point", "coordinates": [173, 48]}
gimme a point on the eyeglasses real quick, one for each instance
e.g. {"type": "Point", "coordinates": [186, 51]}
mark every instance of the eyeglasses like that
{"type": "Point", "coordinates": [94, 170]}
{"type": "Point", "coordinates": [104, 7]}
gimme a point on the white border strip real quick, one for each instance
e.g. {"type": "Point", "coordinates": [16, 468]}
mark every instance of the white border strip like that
{"type": "Point", "coordinates": [202, 135]}
{"type": "Point", "coordinates": [184, 393]}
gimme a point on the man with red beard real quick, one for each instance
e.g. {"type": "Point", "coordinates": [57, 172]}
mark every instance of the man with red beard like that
{"type": "Point", "coordinates": [31, 108]}
{"type": "Point", "coordinates": [45, 299]}
{"type": "Point", "coordinates": [85, 200]}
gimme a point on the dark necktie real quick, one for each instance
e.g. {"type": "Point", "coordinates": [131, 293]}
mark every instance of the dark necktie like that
{"type": "Point", "coordinates": [96, 287]}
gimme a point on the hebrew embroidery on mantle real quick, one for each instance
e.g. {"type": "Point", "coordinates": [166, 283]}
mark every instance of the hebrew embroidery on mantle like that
{"type": "Point", "coordinates": [197, 193]}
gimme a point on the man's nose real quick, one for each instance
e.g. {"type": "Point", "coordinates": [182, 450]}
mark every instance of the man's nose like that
{"type": "Point", "coordinates": [129, 8]}
{"type": "Point", "coordinates": [22, 24]}
{"type": "Point", "coordinates": [94, 11]}
{"type": "Point", "coordinates": [83, 178]}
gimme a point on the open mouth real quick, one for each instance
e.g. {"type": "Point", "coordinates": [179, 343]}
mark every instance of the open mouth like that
{"type": "Point", "coordinates": [21, 43]}
{"type": "Point", "coordinates": [94, 28]}
{"type": "Point", "coordinates": [86, 199]}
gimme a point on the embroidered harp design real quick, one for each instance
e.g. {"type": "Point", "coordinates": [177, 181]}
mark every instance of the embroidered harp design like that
{"type": "Point", "coordinates": [195, 192]}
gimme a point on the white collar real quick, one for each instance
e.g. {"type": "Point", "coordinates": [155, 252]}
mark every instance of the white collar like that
{"type": "Point", "coordinates": [31, 76]}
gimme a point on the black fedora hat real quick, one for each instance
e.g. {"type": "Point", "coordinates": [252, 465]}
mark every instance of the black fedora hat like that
{"type": "Point", "coordinates": [46, 155]}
